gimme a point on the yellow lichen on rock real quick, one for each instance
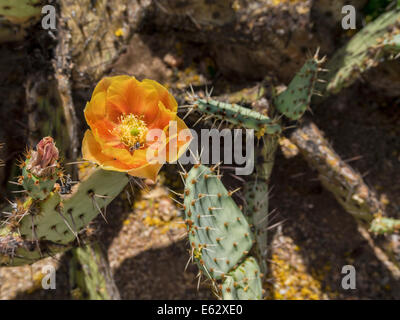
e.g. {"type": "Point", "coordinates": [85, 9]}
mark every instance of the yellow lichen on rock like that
{"type": "Point", "coordinates": [158, 210]}
{"type": "Point", "coordinates": [289, 278]}
{"type": "Point", "coordinates": [278, 2]}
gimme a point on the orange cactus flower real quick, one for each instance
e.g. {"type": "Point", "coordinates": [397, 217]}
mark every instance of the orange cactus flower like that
{"type": "Point", "coordinates": [131, 124]}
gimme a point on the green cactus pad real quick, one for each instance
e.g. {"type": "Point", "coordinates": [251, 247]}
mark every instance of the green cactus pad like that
{"type": "Point", "coordinates": [265, 157]}
{"type": "Point", "coordinates": [38, 188]}
{"type": "Point", "coordinates": [256, 211]}
{"type": "Point", "coordinates": [55, 218]}
{"type": "Point", "coordinates": [392, 44]}
{"type": "Point", "coordinates": [19, 11]}
{"type": "Point", "coordinates": [375, 43]}
{"type": "Point", "coordinates": [91, 274]}
{"type": "Point", "coordinates": [383, 225]}
{"type": "Point", "coordinates": [218, 231]}
{"type": "Point", "coordinates": [15, 251]}
{"type": "Point", "coordinates": [294, 101]}
{"type": "Point", "coordinates": [244, 283]}
{"type": "Point", "coordinates": [237, 115]}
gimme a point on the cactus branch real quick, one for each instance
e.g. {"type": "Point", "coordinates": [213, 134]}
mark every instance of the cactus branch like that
{"type": "Point", "coordinates": [377, 42]}
{"type": "Point", "coordinates": [348, 188]}
{"type": "Point", "coordinates": [337, 176]}
{"type": "Point", "coordinates": [90, 274]}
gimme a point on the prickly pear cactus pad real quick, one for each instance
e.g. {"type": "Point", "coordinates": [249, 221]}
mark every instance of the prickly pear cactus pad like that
{"type": "Point", "coordinates": [15, 251]}
{"type": "Point", "coordinates": [19, 11]}
{"type": "Point", "coordinates": [36, 187]}
{"type": "Point", "coordinates": [383, 225]}
{"type": "Point", "coordinates": [60, 217]}
{"type": "Point", "coordinates": [375, 43]}
{"type": "Point", "coordinates": [244, 283]}
{"type": "Point", "coordinates": [90, 272]}
{"type": "Point", "coordinates": [295, 100]}
{"type": "Point", "coordinates": [219, 234]}
{"type": "Point", "coordinates": [16, 17]}
{"type": "Point", "coordinates": [237, 115]}
{"type": "Point", "coordinates": [256, 211]}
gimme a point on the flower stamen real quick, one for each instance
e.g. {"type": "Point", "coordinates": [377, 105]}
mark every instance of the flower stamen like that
{"type": "Point", "coordinates": [131, 130]}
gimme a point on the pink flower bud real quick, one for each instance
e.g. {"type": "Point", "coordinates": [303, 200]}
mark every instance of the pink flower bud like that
{"type": "Point", "coordinates": [43, 160]}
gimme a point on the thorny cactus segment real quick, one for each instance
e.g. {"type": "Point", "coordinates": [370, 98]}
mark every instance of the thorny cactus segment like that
{"type": "Point", "coordinates": [15, 251]}
{"type": "Point", "coordinates": [391, 44]}
{"type": "Point", "coordinates": [41, 169]}
{"type": "Point", "coordinates": [256, 195]}
{"type": "Point", "coordinates": [256, 211]}
{"type": "Point", "coordinates": [383, 225]}
{"type": "Point", "coordinates": [375, 43]}
{"type": "Point", "coordinates": [236, 115]}
{"type": "Point", "coordinates": [265, 158]}
{"type": "Point", "coordinates": [91, 275]}
{"type": "Point", "coordinates": [348, 187]}
{"type": "Point", "coordinates": [38, 228]}
{"type": "Point", "coordinates": [16, 17]}
{"type": "Point", "coordinates": [295, 100]}
{"type": "Point", "coordinates": [243, 283]}
{"type": "Point", "coordinates": [20, 11]}
{"type": "Point", "coordinates": [218, 231]}
{"type": "Point", "coordinates": [60, 218]}
{"type": "Point", "coordinates": [336, 175]}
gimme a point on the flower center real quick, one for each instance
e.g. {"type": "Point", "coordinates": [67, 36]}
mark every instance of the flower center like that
{"type": "Point", "coordinates": [132, 131]}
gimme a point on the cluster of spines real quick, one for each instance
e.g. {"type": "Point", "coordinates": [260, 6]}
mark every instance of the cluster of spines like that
{"type": "Point", "coordinates": [243, 282]}
{"type": "Point", "coordinates": [233, 115]}
{"type": "Point", "coordinates": [39, 188]}
{"type": "Point", "coordinates": [295, 100]}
